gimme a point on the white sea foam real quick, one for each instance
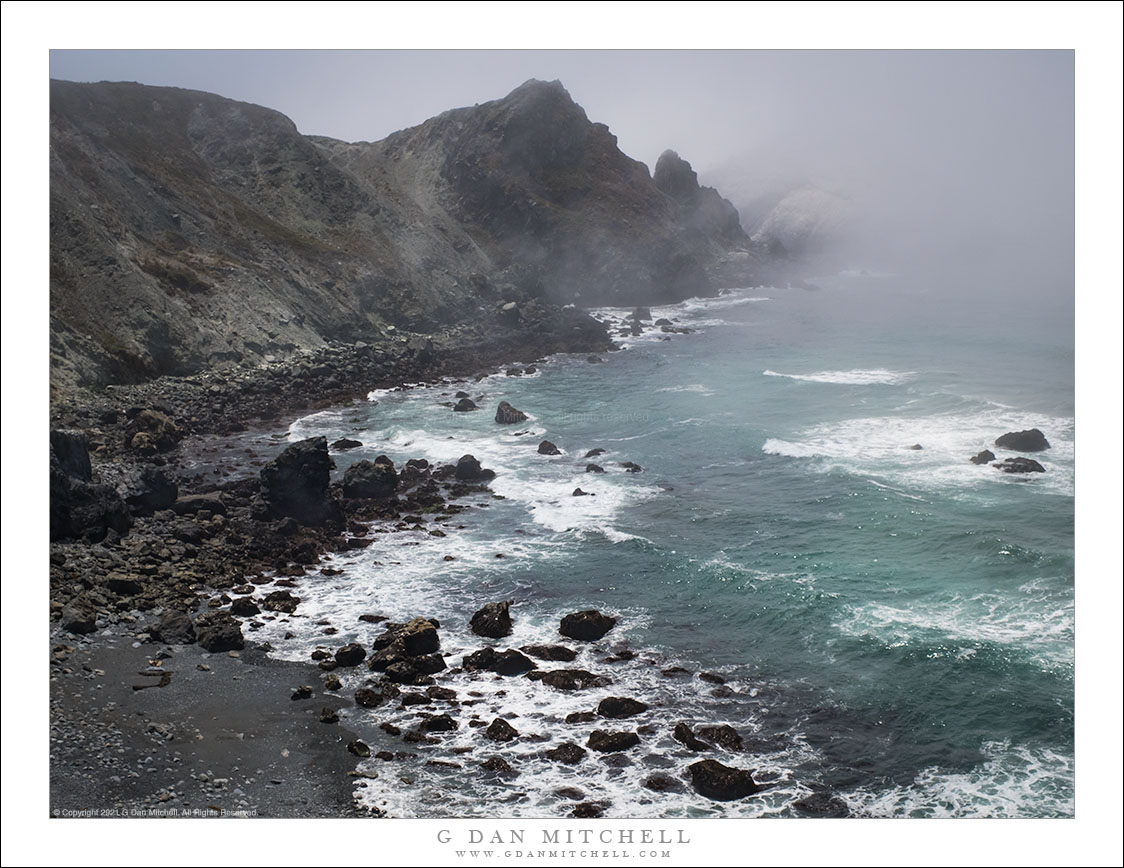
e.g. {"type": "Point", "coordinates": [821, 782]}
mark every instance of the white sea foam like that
{"type": "Point", "coordinates": [856, 377]}
{"type": "Point", "coordinates": [1014, 781]}
{"type": "Point", "coordinates": [1035, 621]}
{"type": "Point", "coordinates": [880, 447]}
{"type": "Point", "coordinates": [698, 388]}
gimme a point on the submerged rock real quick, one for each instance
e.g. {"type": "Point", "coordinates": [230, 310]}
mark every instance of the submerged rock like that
{"type": "Point", "coordinates": [567, 752]}
{"type": "Point", "coordinates": [550, 652]}
{"type": "Point", "coordinates": [985, 457]}
{"type": "Point", "coordinates": [1020, 465]}
{"type": "Point", "coordinates": [568, 679]}
{"type": "Point", "coordinates": [682, 734]}
{"type": "Point", "coordinates": [821, 805]}
{"type": "Point", "coordinates": [465, 405]}
{"type": "Point", "coordinates": [508, 662]}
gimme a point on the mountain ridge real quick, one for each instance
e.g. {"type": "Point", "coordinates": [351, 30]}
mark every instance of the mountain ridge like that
{"type": "Point", "coordinates": [190, 231]}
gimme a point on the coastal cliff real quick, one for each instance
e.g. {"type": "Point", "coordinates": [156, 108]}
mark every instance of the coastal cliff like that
{"type": "Point", "coordinates": [189, 231]}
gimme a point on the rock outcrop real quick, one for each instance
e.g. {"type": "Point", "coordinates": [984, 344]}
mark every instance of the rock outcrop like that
{"type": "Point", "coordinates": [1023, 441]}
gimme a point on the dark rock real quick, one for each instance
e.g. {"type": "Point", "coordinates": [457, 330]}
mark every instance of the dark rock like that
{"type": "Point", "coordinates": [492, 620]}
{"type": "Point", "coordinates": [439, 723]}
{"type": "Point", "coordinates": [219, 632]}
{"type": "Point", "coordinates": [409, 699]}
{"type": "Point", "coordinates": [577, 492]}
{"type": "Point", "coordinates": [497, 765]}
{"type": "Point", "coordinates": [712, 677]}
{"type": "Point", "coordinates": [302, 692]}
{"type": "Point", "coordinates": [550, 652]}
{"type": "Point", "coordinates": [441, 693]}
{"type": "Point", "coordinates": [332, 682]}
{"type": "Point", "coordinates": [588, 810]}
{"type": "Point", "coordinates": [594, 468]}
{"type": "Point", "coordinates": [80, 616]}
{"type": "Point", "coordinates": [587, 626]}
{"type": "Point", "coordinates": [568, 753]}
{"type": "Point", "coordinates": [619, 707]}
{"type": "Point", "coordinates": [147, 490]}
{"type": "Point", "coordinates": [593, 453]}
{"type": "Point", "coordinates": [723, 735]}
{"type": "Point", "coordinates": [608, 742]}
{"type": "Point", "coordinates": [509, 662]}
{"type": "Point", "coordinates": [682, 733]}
{"type": "Point", "coordinates": [370, 480]}
{"type": "Point", "coordinates": [594, 360]}
{"type": "Point", "coordinates": [72, 451]}
{"type": "Point", "coordinates": [465, 405]}
{"type": "Point", "coordinates": [631, 466]}
{"type": "Point", "coordinates": [985, 457]}
{"type": "Point", "coordinates": [663, 321]}
{"type": "Point", "coordinates": [500, 730]}
{"type": "Point", "coordinates": [190, 504]}
{"type": "Point", "coordinates": [661, 782]}
{"type": "Point", "coordinates": [244, 607]}
{"type": "Point", "coordinates": [419, 636]}
{"type": "Point", "coordinates": [1020, 465]}
{"type": "Point", "coordinates": [189, 532]}
{"type": "Point", "coordinates": [126, 586]}
{"type": "Point", "coordinates": [641, 313]}
{"type": "Point", "coordinates": [295, 484]}
{"type": "Point", "coordinates": [373, 697]}
{"type": "Point", "coordinates": [581, 717]}
{"type": "Point", "coordinates": [673, 671]}
{"type": "Point", "coordinates": [916, 447]}
{"type": "Point", "coordinates": [345, 443]}
{"type": "Point", "coordinates": [174, 628]}
{"type": "Point", "coordinates": [548, 448]}
{"type": "Point", "coordinates": [152, 431]}
{"type": "Point", "coordinates": [358, 748]}
{"type": "Point", "coordinates": [821, 805]}
{"type": "Point", "coordinates": [508, 415]}
{"type": "Point", "coordinates": [351, 654]}
{"type": "Point", "coordinates": [80, 509]}
{"type": "Point", "coordinates": [1023, 441]}
{"type": "Point", "coordinates": [461, 394]}
{"type": "Point", "coordinates": [723, 784]}
{"type": "Point", "coordinates": [280, 601]}
{"type": "Point", "coordinates": [329, 715]}
{"type": "Point", "coordinates": [571, 793]}
{"type": "Point", "coordinates": [568, 679]}
{"type": "Point", "coordinates": [469, 470]}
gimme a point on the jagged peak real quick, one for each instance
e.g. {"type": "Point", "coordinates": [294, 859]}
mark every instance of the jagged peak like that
{"type": "Point", "coordinates": [674, 176]}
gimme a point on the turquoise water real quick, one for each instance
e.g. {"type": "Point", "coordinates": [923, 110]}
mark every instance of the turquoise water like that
{"type": "Point", "coordinates": [895, 625]}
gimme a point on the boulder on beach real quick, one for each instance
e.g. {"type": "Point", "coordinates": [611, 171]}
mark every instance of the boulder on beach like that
{"type": "Point", "coordinates": [351, 654]}
{"type": "Point", "coordinates": [587, 626]}
{"type": "Point", "coordinates": [295, 484]}
{"type": "Point", "coordinates": [985, 457]}
{"type": "Point", "coordinates": [151, 431]}
{"type": "Point", "coordinates": [173, 628]}
{"type": "Point", "coordinates": [508, 415]}
{"type": "Point", "coordinates": [1023, 441]}
{"type": "Point", "coordinates": [721, 783]}
{"type": "Point", "coordinates": [1020, 465]}
{"type": "Point", "coordinates": [80, 508]}
{"type": "Point", "coordinates": [72, 451]}
{"type": "Point", "coordinates": [371, 480]}
{"type": "Point", "coordinates": [219, 632]}
{"type": "Point", "coordinates": [492, 621]}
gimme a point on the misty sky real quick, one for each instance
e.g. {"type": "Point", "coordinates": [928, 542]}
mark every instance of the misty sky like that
{"type": "Point", "coordinates": [959, 158]}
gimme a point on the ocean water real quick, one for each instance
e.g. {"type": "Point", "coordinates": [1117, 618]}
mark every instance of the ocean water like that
{"type": "Point", "coordinates": [895, 626]}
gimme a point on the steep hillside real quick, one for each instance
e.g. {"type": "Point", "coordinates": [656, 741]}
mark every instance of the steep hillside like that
{"type": "Point", "coordinates": [189, 230]}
